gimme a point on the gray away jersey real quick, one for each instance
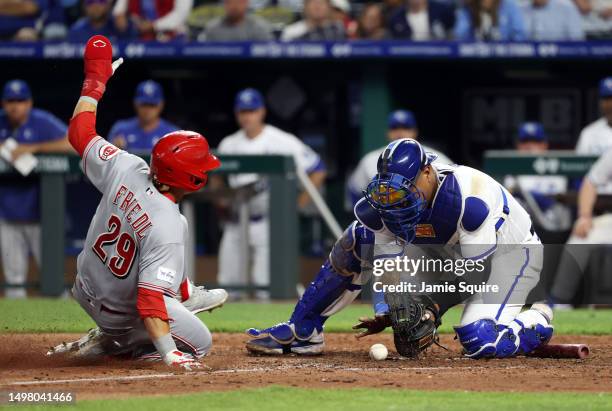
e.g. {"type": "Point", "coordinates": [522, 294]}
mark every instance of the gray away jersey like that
{"type": "Point", "coordinates": [137, 236]}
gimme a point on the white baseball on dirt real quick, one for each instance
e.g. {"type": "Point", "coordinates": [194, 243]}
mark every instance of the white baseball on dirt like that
{"type": "Point", "coordinates": [378, 352]}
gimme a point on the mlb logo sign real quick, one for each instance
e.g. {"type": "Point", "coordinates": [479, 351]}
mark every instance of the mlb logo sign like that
{"type": "Point", "coordinates": [107, 152]}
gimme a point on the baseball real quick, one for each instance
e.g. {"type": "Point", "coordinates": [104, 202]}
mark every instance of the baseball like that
{"type": "Point", "coordinates": [378, 352]}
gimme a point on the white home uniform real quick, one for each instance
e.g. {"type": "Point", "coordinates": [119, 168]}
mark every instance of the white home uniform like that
{"type": "Point", "coordinates": [472, 210]}
{"type": "Point", "coordinates": [595, 138]}
{"type": "Point", "coordinates": [366, 169]}
{"type": "Point", "coordinates": [232, 262]}
{"type": "Point", "coordinates": [136, 240]}
{"type": "Point", "coordinates": [568, 278]}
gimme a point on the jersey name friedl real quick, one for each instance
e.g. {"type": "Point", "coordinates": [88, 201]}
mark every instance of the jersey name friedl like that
{"type": "Point", "coordinates": [132, 211]}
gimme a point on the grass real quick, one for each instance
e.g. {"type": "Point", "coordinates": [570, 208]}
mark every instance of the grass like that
{"type": "Point", "coordinates": [283, 398]}
{"type": "Point", "coordinates": [63, 315]}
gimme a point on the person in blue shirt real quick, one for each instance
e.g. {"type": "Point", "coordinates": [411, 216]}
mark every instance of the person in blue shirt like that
{"type": "Point", "coordinates": [36, 131]}
{"type": "Point", "coordinates": [422, 20]}
{"type": "Point", "coordinates": [98, 20]}
{"type": "Point", "coordinates": [18, 18]}
{"type": "Point", "coordinates": [490, 20]}
{"type": "Point", "coordinates": [553, 20]}
{"type": "Point", "coordinates": [537, 192]}
{"type": "Point", "coordinates": [140, 133]}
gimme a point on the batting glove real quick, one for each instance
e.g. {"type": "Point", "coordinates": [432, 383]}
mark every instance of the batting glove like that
{"type": "Point", "coordinates": [178, 358]}
{"type": "Point", "coordinates": [98, 66]}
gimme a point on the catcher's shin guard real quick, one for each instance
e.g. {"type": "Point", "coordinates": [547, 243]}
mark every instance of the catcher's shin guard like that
{"type": "Point", "coordinates": [414, 329]}
{"type": "Point", "coordinates": [328, 291]}
{"type": "Point", "coordinates": [533, 327]}
{"type": "Point", "coordinates": [486, 338]}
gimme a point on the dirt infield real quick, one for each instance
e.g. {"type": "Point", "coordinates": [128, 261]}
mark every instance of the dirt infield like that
{"type": "Point", "coordinates": [345, 364]}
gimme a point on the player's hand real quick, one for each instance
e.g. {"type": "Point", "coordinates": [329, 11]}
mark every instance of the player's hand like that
{"type": "Point", "coordinates": [98, 66]}
{"type": "Point", "coordinates": [179, 359]}
{"type": "Point", "coordinates": [371, 325]}
{"type": "Point", "coordinates": [582, 226]}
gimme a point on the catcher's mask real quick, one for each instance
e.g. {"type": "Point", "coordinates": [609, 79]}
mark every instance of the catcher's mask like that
{"type": "Point", "coordinates": [393, 191]}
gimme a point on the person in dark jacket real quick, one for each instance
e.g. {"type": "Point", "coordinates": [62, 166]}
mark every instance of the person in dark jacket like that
{"type": "Point", "coordinates": [423, 20]}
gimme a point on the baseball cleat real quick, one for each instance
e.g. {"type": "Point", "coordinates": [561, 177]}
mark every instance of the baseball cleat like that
{"type": "Point", "coordinates": [269, 346]}
{"type": "Point", "coordinates": [202, 299]}
{"type": "Point", "coordinates": [90, 345]}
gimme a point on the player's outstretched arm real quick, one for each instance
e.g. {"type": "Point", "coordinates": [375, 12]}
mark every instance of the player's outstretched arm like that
{"type": "Point", "coordinates": [98, 67]}
{"type": "Point", "coordinates": [587, 196]}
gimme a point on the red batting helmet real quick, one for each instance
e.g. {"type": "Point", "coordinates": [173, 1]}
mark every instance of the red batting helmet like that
{"type": "Point", "coordinates": [182, 159]}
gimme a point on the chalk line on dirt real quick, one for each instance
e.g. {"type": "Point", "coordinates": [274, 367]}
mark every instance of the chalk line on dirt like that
{"type": "Point", "coordinates": [119, 378]}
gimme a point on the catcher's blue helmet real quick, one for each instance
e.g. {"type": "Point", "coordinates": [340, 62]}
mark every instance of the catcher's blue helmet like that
{"type": "Point", "coordinates": [393, 192]}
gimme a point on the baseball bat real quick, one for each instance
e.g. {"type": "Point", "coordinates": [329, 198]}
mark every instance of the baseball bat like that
{"type": "Point", "coordinates": [579, 351]}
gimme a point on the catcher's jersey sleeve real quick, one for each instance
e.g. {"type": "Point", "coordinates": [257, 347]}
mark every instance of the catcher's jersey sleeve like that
{"type": "Point", "coordinates": [103, 163]}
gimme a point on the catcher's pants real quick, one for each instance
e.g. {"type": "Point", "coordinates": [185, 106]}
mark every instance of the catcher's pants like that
{"type": "Point", "coordinates": [129, 335]}
{"type": "Point", "coordinates": [17, 241]}
{"type": "Point", "coordinates": [569, 274]}
{"type": "Point", "coordinates": [516, 271]}
{"type": "Point", "coordinates": [235, 266]}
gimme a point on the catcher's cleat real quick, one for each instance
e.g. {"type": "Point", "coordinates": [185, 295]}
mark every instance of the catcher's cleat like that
{"type": "Point", "coordinates": [268, 346]}
{"type": "Point", "coordinates": [202, 299]}
{"type": "Point", "coordinates": [90, 345]}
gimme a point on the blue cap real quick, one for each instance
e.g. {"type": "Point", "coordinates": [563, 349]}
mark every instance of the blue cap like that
{"type": "Point", "coordinates": [16, 90]}
{"type": "Point", "coordinates": [605, 87]}
{"type": "Point", "coordinates": [248, 99]}
{"type": "Point", "coordinates": [532, 131]}
{"type": "Point", "coordinates": [149, 92]}
{"type": "Point", "coordinates": [402, 119]}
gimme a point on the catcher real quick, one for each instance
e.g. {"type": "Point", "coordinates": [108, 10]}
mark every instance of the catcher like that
{"type": "Point", "coordinates": [412, 201]}
{"type": "Point", "coordinates": [131, 275]}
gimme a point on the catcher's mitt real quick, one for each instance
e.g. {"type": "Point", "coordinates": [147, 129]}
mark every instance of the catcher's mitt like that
{"type": "Point", "coordinates": [415, 322]}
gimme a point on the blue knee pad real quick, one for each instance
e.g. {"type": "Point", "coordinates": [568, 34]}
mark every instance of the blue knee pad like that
{"type": "Point", "coordinates": [532, 338]}
{"type": "Point", "coordinates": [486, 339]}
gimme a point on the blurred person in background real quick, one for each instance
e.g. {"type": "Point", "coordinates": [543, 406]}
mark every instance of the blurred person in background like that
{"type": "Point", "coordinates": [18, 19]}
{"type": "Point", "coordinates": [341, 12]}
{"type": "Point", "coordinates": [390, 7]}
{"type": "Point", "coordinates": [490, 20]}
{"type": "Point", "coordinates": [237, 25]}
{"type": "Point", "coordinates": [596, 18]}
{"type": "Point", "coordinates": [35, 131]}
{"type": "Point", "coordinates": [551, 215]}
{"type": "Point", "coordinates": [160, 20]}
{"type": "Point", "coordinates": [97, 20]}
{"type": "Point", "coordinates": [371, 24]}
{"type": "Point", "coordinates": [255, 137]}
{"type": "Point", "coordinates": [596, 138]}
{"type": "Point", "coordinates": [423, 20]}
{"type": "Point", "coordinates": [552, 20]}
{"type": "Point", "coordinates": [401, 124]}
{"type": "Point", "coordinates": [317, 25]}
{"type": "Point", "coordinates": [140, 133]}
{"type": "Point", "coordinates": [588, 229]}
{"type": "Point", "coordinates": [295, 6]}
